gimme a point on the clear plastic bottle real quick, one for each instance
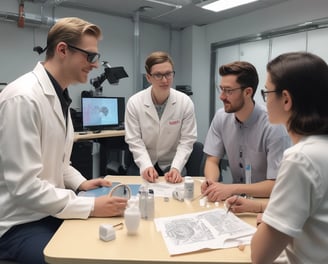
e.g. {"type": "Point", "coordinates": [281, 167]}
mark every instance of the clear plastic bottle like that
{"type": "Point", "coordinates": [132, 216]}
{"type": "Point", "coordinates": [188, 188]}
{"type": "Point", "coordinates": [143, 193]}
{"type": "Point", "coordinates": [150, 205]}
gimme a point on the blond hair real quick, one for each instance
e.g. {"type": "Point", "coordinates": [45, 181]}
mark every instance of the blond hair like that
{"type": "Point", "coordinates": [69, 30]}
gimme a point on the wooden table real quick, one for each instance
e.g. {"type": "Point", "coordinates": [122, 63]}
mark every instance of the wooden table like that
{"type": "Point", "coordinates": [77, 241]}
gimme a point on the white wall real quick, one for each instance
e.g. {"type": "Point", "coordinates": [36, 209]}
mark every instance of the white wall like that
{"type": "Point", "coordinates": [284, 14]}
{"type": "Point", "coordinates": [116, 47]}
{"type": "Point", "coordinates": [189, 48]}
{"type": "Point", "coordinates": [200, 72]}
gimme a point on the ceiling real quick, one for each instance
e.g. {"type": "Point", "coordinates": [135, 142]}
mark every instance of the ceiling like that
{"type": "Point", "coordinates": [177, 14]}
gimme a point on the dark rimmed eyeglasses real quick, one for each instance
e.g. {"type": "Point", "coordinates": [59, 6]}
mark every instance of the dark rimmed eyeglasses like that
{"type": "Point", "coordinates": [159, 76]}
{"type": "Point", "coordinates": [265, 94]}
{"type": "Point", "coordinates": [92, 57]}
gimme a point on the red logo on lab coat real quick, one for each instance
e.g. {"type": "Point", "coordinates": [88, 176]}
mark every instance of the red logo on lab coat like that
{"type": "Point", "coordinates": [174, 122]}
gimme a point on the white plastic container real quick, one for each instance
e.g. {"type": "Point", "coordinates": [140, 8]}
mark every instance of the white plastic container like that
{"type": "Point", "coordinates": [107, 232]}
{"type": "Point", "coordinates": [132, 216]}
{"type": "Point", "coordinates": [188, 188]}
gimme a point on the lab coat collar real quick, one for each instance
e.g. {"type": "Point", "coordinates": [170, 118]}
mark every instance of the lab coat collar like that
{"type": "Point", "coordinates": [149, 102]}
{"type": "Point", "coordinates": [150, 107]}
{"type": "Point", "coordinates": [49, 91]}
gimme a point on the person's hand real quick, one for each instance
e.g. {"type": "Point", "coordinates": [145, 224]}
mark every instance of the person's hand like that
{"type": "Point", "coordinates": [239, 204]}
{"type": "Point", "coordinates": [150, 174]}
{"type": "Point", "coordinates": [216, 191]}
{"type": "Point", "coordinates": [205, 184]}
{"type": "Point", "coordinates": [259, 219]}
{"type": "Point", "coordinates": [94, 183]}
{"type": "Point", "coordinates": [173, 176]}
{"type": "Point", "coordinates": [107, 206]}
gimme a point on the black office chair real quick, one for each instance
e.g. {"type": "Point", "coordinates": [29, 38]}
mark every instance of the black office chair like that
{"type": "Point", "coordinates": [196, 161]}
{"type": "Point", "coordinates": [113, 156]}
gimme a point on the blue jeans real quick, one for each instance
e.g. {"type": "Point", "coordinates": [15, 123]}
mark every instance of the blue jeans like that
{"type": "Point", "coordinates": [25, 243]}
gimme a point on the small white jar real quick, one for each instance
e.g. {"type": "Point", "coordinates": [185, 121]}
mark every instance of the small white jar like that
{"type": "Point", "coordinates": [132, 216]}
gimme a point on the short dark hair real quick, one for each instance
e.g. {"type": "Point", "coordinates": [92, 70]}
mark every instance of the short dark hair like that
{"type": "Point", "coordinates": [246, 74]}
{"type": "Point", "coordinates": [157, 57]}
{"type": "Point", "coordinates": [305, 77]}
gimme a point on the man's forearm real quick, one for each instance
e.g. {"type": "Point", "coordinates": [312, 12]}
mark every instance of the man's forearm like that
{"type": "Point", "coordinates": [259, 189]}
{"type": "Point", "coordinates": [212, 171]}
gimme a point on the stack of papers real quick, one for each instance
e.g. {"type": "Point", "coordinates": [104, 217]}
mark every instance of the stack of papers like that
{"type": "Point", "coordinates": [212, 229]}
{"type": "Point", "coordinates": [164, 189]}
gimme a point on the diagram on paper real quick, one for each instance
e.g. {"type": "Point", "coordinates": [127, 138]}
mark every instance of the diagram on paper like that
{"type": "Point", "coordinates": [211, 229]}
{"type": "Point", "coordinates": [187, 231]}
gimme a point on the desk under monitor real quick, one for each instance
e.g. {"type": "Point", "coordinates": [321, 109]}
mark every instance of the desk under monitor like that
{"type": "Point", "coordinates": [102, 134]}
{"type": "Point", "coordinates": [77, 241]}
{"type": "Point", "coordinates": [91, 151]}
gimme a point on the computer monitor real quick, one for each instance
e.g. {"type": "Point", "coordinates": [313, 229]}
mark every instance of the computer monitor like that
{"type": "Point", "coordinates": [100, 113]}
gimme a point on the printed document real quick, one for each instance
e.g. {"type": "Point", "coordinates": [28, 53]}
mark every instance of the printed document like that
{"type": "Point", "coordinates": [211, 229]}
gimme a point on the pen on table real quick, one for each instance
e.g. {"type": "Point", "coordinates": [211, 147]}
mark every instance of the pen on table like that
{"type": "Point", "coordinates": [200, 196]}
{"type": "Point", "coordinates": [118, 226]}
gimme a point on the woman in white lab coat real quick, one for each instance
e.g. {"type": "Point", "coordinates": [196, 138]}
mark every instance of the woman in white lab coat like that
{"type": "Point", "coordinates": [160, 123]}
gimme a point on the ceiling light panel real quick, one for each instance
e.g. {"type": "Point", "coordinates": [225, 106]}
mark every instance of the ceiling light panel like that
{"type": "Point", "coordinates": [220, 5]}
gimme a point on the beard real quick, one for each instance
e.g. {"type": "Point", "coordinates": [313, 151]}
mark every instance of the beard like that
{"type": "Point", "coordinates": [233, 108]}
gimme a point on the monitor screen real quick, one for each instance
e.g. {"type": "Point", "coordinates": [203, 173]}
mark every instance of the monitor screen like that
{"type": "Point", "coordinates": [100, 112]}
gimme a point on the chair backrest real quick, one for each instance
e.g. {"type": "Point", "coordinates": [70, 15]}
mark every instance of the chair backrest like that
{"type": "Point", "coordinates": [196, 161]}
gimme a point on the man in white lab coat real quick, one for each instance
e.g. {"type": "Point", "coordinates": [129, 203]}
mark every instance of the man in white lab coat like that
{"type": "Point", "coordinates": [160, 123]}
{"type": "Point", "coordinates": [37, 183]}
